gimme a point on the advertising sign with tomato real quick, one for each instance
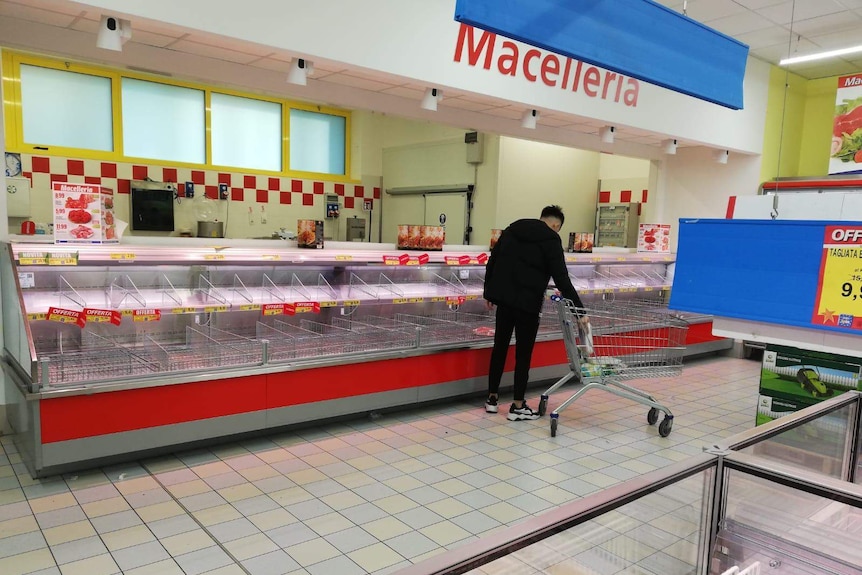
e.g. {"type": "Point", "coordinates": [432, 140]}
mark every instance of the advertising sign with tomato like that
{"type": "Point", "coordinates": [83, 214]}
{"type": "Point", "coordinates": [654, 238]}
{"type": "Point", "coordinates": [846, 152]}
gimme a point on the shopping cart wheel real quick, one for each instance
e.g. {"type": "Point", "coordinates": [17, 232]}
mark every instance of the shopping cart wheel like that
{"type": "Point", "coordinates": [652, 415]}
{"type": "Point", "coordinates": [665, 426]}
{"type": "Point", "coordinates": [543, 405]}
{"type": "Point", "coordinates": [553, 428]}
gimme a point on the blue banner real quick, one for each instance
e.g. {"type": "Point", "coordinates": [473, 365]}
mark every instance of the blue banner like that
{"type": "Point", "coordinates": [637, 38]}
{"type": "Point", "coordinates": [768, 271]}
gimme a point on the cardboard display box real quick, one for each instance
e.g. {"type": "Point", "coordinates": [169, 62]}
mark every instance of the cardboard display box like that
{"type": "Point", "coordinates": [807, 376]}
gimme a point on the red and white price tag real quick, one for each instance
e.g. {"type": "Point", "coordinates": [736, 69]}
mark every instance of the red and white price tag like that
{"type": "Point", "coordinates": [93, 315]}
{"type": "Point", "coordinates": [61, 315]}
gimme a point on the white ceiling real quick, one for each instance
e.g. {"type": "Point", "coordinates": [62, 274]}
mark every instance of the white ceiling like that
{"type": "Point", "coordinates": [776, 29]}
{"type": "Point", "coordinates": [765, 25]}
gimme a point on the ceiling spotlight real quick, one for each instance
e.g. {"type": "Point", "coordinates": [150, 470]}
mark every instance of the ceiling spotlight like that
{"type": "Point", "coordinates": [528, 120]}
{"type": "Point", "coordinates": [607, 134]}
{"type": "Point", "coordinates": [113, 33]}
{"type": "Point", "coordinates": [300, 70]}
{"type": "Point", "coordinates": [721, 156]}
{"type": "Point", "coordinates": [430, 99]}
{"type": "Point", "coordinates": [669, 147]}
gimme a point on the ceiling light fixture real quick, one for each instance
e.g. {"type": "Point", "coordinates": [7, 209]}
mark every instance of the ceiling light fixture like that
{"type": "Point", "coordinates": [430, 99]}
{"type": "Point", "coordinates": [607, 134]}
{"type": "Point", "coordinates": [669, 147]}
{"type": "Point", "coordinates": [300, 70]}
{"type": "Point", "coordinates": [113, 33]}
{"type": "Point", "coordinates": [820, 56]}
{"type": "Point", "coordinates": [528, 120]}
{"type": "Point", "coordinates": [721, 156]}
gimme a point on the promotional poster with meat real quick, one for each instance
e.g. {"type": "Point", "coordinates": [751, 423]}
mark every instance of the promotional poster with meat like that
{"type": "Point", "coordinates": [846, 152]}
{"type": "Point", "coordinates": [654, 238]}
{"type": "Point", "coordinates": [83, 214]}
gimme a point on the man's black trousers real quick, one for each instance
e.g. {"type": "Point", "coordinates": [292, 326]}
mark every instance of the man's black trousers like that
{"type": "Point", "coordinates": [526, 327]}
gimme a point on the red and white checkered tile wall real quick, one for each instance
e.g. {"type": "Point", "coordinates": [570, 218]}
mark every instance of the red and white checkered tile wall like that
{"type": "Point", "coordinates": [623, 196]}
{"type": "Point", "coordinates": [43, 170]}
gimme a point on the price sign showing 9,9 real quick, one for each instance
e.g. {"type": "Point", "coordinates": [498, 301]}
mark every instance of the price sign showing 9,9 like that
{"type": "Point", "coordinates": [839, 291]}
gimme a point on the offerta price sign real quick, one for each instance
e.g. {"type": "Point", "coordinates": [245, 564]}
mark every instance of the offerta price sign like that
{"type": "Point", "coordinates": [839, 292]}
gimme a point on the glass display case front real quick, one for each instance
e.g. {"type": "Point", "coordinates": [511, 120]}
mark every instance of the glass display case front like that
{"type": "Point", "coordinates": [736, 509]}
{"type": "Point", "coordinates": [107, 314]}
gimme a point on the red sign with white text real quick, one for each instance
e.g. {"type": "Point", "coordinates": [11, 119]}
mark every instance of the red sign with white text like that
{"type": "Point", "coordinates": [92, 315]}
{"type": "Point", "coordinates": [307, 307]}
{"type": "Point", "coordinates": [61, 315]}
{"type": "Point", "coordinates": [142, 315]}
{"type": "Point", "coordinates": [406, 260]}
{"type": "Point", "coordinates": [272, 309]}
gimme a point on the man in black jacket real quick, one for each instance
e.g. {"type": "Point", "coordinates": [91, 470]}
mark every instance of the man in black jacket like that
{"type": "Point", "coordinates": [522, 262]}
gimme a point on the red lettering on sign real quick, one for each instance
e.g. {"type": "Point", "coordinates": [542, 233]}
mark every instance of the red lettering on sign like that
{"type": "Point", "coordinates": [486, 42]}
{"type": "Point", "coordinates": [482, 51]}
{"type": "Point", "coordinates": [550, 65]}
{"type": "Point", "coordinates": [507, 64]}
{"type": "Point", "coordinates": [529, 56]}
{"type": "Point", "coordinates": [591, 81]}
{"type": "Point", "coordinates": [609, 77]}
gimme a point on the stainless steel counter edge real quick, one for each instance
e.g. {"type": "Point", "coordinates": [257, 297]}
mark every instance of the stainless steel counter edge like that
{"type": "Point", "coordinates": [248, 252]}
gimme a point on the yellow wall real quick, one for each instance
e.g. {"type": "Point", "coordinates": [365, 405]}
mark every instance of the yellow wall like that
{"type": "Point", "coordinates": [783, 130]}
{"type": "Point", "coordinates": [807, 125]}
{"type": "Point", "coordinates": [817, 130]}
{"type": "Point", "coordinates": [533, 175]}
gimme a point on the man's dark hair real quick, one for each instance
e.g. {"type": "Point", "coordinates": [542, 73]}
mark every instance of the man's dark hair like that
{"type": "Point", "coordinates": [554, 212]}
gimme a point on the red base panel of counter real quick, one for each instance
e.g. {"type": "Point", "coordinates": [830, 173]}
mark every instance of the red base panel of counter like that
{"type": "Point", "coordinates": [81, 416]}
{"type": "Point", "coordinates": [85, 416]}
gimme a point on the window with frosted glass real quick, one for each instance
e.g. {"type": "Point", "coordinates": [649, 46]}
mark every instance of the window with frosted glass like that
{"type": "Point", "coordinates": [317, 142]}
{"type": "Point", "coordinates": [163, 122]}
{"type": "Point", "coordinates": [61, 108]}
{"type": "Point", "coordinates": [246, 133]}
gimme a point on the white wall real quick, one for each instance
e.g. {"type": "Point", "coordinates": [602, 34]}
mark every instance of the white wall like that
{"type": "Point", "coordinates": [416, 40]}
{"type": "Point", "coordinates": [441, 163]}
{"type": "Point", "coordinates": [419, 153]}
{"type": "Point", "coordinates": [612, 166]}
{"type": "Point", "coordinates": [533, 175]}
{"type": "Point", "coordinates": [693, 185]}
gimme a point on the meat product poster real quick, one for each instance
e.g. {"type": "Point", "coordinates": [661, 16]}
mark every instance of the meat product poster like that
{"type": "Point", "coordinates": [654, 238]}
{"type": "Point", "coordinates": [83, 214]}
{"type": "Point", "coordinates": [845, 156]}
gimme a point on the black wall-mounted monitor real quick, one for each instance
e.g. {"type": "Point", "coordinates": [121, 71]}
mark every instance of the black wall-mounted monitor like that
{"type": "Point", "coordinates": [152, 210]}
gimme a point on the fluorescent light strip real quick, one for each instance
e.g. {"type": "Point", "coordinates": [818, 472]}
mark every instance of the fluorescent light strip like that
{"type": "Point", "coordinates": [820, 56]}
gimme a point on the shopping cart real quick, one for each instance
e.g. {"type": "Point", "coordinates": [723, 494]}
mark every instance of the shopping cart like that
{"type": "Point", "coordinates": [619, 345]}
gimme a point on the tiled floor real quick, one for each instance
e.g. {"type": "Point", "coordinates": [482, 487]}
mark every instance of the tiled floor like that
{"type": "Point", "coordinates": [366, 496]}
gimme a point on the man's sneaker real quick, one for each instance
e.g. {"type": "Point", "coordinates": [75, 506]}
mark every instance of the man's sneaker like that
{"type": "Point", "coordinates": [521, 413]}
{"type": "Point", "coordinates": [491, 405]}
